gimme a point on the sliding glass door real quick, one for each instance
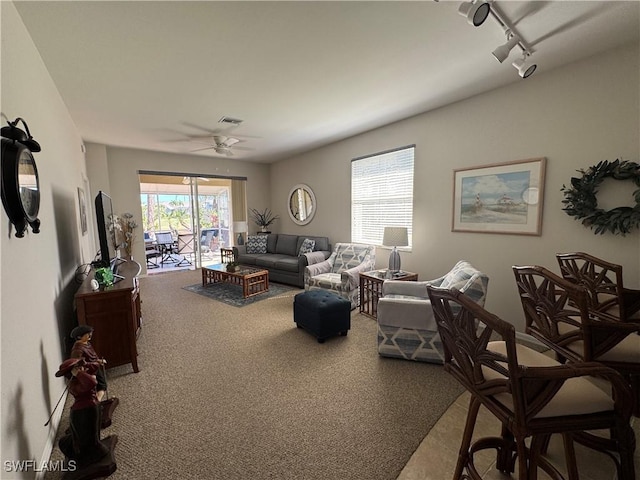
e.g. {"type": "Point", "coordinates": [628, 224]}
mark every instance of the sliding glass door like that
{"type": "Point", "coordinates": [211, 219]}
{"type": "Point", "coordinates": [192, 207]}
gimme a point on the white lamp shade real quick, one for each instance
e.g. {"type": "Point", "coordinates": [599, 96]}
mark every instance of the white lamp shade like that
{"type": "Point", "coordinates": [240, 227]}
{"type": "Point", "coordinates": [395, 237]}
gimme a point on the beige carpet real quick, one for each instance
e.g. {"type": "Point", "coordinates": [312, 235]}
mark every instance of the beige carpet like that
{"type": "Point", "coordinates": [241, 393]}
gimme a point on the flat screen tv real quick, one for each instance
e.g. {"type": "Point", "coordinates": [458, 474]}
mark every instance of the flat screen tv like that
{"type": "Point", "coordinates": [106, 231]}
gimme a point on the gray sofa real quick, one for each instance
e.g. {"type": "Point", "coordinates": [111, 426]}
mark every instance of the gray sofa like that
{"type": "Point", "coordinates": [282, 259]}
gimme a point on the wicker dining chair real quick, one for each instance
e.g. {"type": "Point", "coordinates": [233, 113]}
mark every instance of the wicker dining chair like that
{"type": "Point", "coordinates": [531, 394]}
{"type": "Point", "coordinates": [558, 313]}
{"type": "Point", "coordinates": [604, 283]}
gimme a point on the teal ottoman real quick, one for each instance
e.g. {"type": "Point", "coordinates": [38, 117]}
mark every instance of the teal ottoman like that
{"type": "Point", "coordinates": [322, 313]}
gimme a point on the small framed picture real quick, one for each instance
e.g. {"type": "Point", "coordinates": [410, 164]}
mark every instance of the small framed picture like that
{"type": "Point", "coordinates": [499, 198]}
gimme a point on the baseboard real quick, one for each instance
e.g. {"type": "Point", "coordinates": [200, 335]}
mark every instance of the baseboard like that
{"type": "Point", "coordinates": [51, 438]}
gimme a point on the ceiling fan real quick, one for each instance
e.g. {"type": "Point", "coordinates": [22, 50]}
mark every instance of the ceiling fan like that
{"type": "Point", "coordinates": [221, 144]}
{"type": "Point", "coordinates": [187, 180]}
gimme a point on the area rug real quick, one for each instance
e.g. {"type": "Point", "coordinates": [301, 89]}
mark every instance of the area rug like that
{"type": "Point", "coordinates": [232, 294]}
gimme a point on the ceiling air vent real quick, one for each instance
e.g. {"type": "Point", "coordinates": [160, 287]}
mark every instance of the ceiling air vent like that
{"type": "Point", "coordinates": [230, 120]}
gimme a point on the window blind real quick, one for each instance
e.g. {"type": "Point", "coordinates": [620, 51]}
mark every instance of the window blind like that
{"type": "Point", "coordinates": [381, 194]}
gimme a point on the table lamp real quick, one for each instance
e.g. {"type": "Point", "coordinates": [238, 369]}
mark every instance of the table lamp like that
{"type": "Point", "coordinates": [395, 237]}
{"type": "Point", "coordinates": [240, 228]}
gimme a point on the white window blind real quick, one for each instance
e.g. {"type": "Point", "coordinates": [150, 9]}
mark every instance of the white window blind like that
{"type": "Point", "coordinates": [381, 194]}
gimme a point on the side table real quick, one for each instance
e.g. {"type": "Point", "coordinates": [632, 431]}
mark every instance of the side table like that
{"type": "Point", "coordinates": [371, 288]}
{"type": "Point", "coordinates": [226, 255]}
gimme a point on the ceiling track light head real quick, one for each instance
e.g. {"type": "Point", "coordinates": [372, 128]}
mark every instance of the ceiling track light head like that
{"type": "Point", "coordinates": [476, 11]}
{"type": "Point", "coordinates": [524, 66]}
{"type": "Point", "coordinates": [502, 52]}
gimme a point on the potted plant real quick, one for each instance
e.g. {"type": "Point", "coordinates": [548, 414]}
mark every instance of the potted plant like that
{"type": "Point", "coordinates": [263, 219]}
{"type": "Point", "coordinates": [104, 276]}
{"type": "Point", "coordinates": [233, 267]}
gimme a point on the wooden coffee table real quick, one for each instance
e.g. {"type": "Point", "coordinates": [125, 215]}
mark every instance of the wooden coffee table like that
{"type": "Point", "coordinates": [253, 280]}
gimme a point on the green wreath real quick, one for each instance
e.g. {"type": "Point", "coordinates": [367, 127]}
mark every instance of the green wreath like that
{"type": "Point", "coordinates": [581, 201]}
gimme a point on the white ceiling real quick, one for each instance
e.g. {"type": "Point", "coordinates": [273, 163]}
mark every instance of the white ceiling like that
{"type": "Point", "coordinates": [300, 74]}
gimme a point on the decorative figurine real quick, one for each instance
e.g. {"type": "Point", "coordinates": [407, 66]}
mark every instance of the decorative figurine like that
{"type": "Point", "coordinates": [82, 348]}
{"type": "Point", "coordinates": [92, 457]}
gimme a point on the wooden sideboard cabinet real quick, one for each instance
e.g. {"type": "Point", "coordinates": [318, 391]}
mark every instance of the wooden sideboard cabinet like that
{"type": "Point", "coordinates": [114, 313]}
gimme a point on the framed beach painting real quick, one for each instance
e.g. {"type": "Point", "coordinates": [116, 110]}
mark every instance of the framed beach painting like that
{"type": "Point", "coordinates": [499, 198]}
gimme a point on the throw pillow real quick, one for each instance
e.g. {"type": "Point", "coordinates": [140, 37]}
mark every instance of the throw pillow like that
{"type": "Point", "coordinates": [307, 246]}
{"type": "Point", "coordinates": [458, 276]}
{"type": "Point", "coordinates": [257, 244]}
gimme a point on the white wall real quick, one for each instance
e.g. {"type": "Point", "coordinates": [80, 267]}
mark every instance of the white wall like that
{"type": "Point", "coordinates": [37, 271]}
{"type": "Point", "coordinates": [575, 116]}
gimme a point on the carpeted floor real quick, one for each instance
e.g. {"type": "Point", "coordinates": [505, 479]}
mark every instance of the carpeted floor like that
{"type": "Point", "coordinates": [241, 393]}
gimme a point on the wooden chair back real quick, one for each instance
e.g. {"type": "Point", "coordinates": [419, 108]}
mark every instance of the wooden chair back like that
{"type": "Point", "coordinates": [603, 281]}
{"type": "Point", "coordinates": [560, 314]}
{"type": "Point", "coordinates": [482, 354]}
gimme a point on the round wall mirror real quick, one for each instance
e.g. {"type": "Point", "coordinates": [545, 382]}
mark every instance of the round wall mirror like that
{"type": "Point", "coordinates": [301, 204]}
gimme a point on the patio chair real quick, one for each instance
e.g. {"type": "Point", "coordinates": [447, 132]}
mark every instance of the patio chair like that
{"type": "Point", "coordinates": [152, 253]}
{"type": "Point", "coordinates": [185, 247]}
{"type": "Point", "coordinates": [207, 240]}
{"type": "Point", "coordinates": [166, 244]}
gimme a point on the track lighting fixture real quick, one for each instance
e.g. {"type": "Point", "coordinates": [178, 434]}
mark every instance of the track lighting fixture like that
{"type": "Point", "coordinates": [525, 67]}
{"type": "Point", "coordinates": [502, 52]}
{"type": "Point", "coordinates": [476, 11]}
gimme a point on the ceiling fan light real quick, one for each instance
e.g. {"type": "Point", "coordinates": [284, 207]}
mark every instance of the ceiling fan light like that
{"type": "Point", "coordinates": [524, 67]}
{"type": "Point", "coordinates": [502, 52]}
{"type": "Point", "coordinates": [476, 11]}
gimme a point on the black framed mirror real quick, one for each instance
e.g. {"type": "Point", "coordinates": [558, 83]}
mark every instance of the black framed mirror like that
{"type": "Point", "coordinates": [20, 183]}
{"type": "Point", "coordinates": [301, 204]}
{"type": "Point", "coordinates": [28, 185]}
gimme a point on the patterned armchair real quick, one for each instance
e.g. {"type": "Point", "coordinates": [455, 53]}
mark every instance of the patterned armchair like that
{"type": "Point", "coordinates": [406, 326]}
{"type": "Point", "coordinates": [340, 273]}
